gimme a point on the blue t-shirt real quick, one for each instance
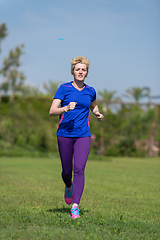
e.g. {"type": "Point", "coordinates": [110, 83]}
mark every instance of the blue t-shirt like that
{"type": "Point", "coordinates": [75, 123]}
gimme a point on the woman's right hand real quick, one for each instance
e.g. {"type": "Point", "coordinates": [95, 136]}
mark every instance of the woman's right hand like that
{"type": "Point", "coordinates": [56, 110]}
{"type": "Point", "coordinates": [70, 106]}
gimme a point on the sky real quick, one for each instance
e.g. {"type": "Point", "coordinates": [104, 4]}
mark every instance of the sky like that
{"type": "Point", "coordinates": [121, 38]}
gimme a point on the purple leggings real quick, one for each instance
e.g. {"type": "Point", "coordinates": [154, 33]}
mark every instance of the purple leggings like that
{"type": "Point", "coordinates": [80, 147]}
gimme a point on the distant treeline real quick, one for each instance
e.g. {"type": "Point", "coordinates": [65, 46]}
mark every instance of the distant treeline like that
{"type": "Point", "coordinates": [127, 129]}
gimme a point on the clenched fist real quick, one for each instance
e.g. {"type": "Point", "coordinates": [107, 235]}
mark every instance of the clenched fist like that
{"type": "Point", "coordinates": [70, 106]}
{"type": "Point", "coordinates": [99, 116]}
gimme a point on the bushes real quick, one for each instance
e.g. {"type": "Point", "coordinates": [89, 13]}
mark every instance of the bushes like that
{"type": "Point", "coordinates": [122, 129]}
{"type": "Point", "coordinates": [26, 124]}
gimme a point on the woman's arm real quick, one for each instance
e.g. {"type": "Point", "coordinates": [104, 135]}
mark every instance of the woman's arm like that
{"type": "Point", "coordinates": [55, 110]}
{"type": "Point", "coordinates": [95, 111]}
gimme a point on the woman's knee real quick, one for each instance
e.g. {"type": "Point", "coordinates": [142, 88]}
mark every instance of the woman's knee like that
{"type": "Point", "coordinates": [79, 170]}
{"type": "Point", "coordinates": [67, 176]}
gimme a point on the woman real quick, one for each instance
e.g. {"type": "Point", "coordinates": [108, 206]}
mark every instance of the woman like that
{"type": "Point", "coordinates": [73, 102]}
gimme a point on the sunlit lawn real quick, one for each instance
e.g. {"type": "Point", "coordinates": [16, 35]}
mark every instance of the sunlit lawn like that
{"type": "Point", "coordinates": [121, 200]}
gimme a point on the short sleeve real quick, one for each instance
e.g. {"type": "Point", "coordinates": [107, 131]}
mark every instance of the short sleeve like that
{"type": "Point", "coordinates": [60, 93]}
{"type": "Point", "coordinates": [93, 98]}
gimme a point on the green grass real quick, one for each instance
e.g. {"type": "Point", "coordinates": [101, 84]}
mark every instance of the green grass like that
{"type": "Point", "coordinates": [121, 200]}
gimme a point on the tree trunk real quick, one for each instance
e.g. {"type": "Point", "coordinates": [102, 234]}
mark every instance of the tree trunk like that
{"type": "Point", "coordinates": [12, 97]}
{"type": "Point", "coordinates": [102, 148]}
{"type": "Point", "coordinates": [151, 140]}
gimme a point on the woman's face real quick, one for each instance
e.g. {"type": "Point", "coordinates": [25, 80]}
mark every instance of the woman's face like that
{"type": "Point", "coordinates": [80, 71]}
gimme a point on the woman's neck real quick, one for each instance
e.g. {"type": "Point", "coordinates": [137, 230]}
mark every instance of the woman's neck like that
{"type": "Point", "coordinates": [78, 84]}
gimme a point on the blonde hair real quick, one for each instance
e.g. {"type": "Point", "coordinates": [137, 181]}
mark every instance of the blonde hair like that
{"type": "Point", "coordinates": [79, 59]}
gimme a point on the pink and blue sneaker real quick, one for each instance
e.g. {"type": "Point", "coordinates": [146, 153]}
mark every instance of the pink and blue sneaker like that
{"type": "Point", "coordinates": [68, 195]}
{"type": "Point", "coordinates": [75, 212]}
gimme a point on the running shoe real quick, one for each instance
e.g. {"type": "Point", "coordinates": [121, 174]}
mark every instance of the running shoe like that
{"type": "Point", "coordinates": [75, 212]}
{"type": "Point", "coordinates": [68, 196]}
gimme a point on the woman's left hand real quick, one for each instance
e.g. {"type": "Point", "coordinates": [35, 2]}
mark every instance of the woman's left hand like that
{"type": "Point", "coordinates": [99, 116]}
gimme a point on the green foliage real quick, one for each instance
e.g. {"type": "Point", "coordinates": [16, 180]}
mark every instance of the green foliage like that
{"type": "Point", "coordinates": [123, 128]}
{"type": "Point", "coordinates": [26, 124]}
{"type": "Point", "coordinates": [14, 79]}
{"type": "Point", "coordinates": [108, 95]}
{"type": "Point", "coordinates": [118, 202]}
{"type": "Point", "coordinates": [137, 93]}
{"type": "Point", "coordinates": [51, 87]}
{"type": "Point", "coordinates": [3, 32]}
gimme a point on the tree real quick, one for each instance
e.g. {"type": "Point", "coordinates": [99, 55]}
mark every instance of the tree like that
{"type": "Point", "coordinates": [108, 96]}
{"type": "Point", "coordinates": [13, 77]}
{"type": "Point", "coordinates": [28, 90]}
{"type": "Point", "coordinates": [3, 33]}
{"type": "Point", "coordinates": [136, 93]}
{"type": "Point", "coordinates": [51, 87]}
{"type": "Point", "coordinates": [4, 87]}
{"type": "Point", "coordinates": [151, 139]}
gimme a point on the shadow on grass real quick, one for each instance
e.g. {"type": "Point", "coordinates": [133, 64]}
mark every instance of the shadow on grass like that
{"type": "Point", "coordinates": [60, 210]}
{"type": "Point", "coordinates": [64, 210]}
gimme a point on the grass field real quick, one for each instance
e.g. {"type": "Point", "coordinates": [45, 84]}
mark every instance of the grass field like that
{"type": "Point", "coordinates": [121, 200]}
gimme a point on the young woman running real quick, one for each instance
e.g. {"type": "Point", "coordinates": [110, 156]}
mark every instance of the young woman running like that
{"type": "Point", "coordinates": [73, 101]}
